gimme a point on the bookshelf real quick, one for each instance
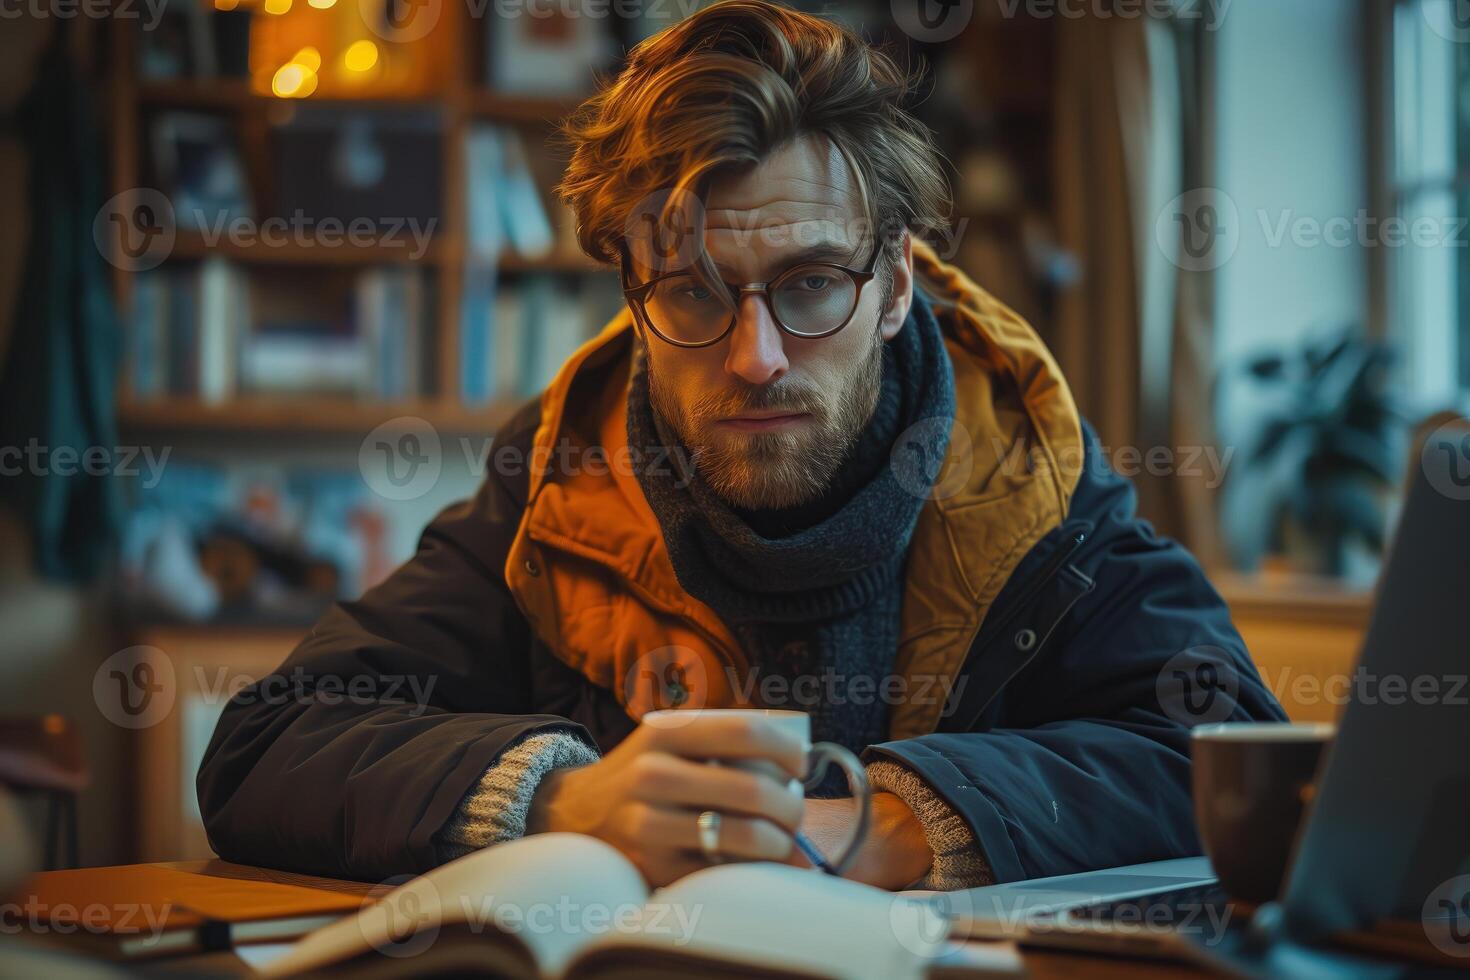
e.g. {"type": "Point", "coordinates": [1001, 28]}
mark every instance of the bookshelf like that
{"type": "Point", "coordinates": [286, 432]}
{"type": "Point", "coordinates": [325, 415]}
{"type": "Point", "coordinates": [459, 102]}
{"type": "Point", "coordinates": [235, 94]}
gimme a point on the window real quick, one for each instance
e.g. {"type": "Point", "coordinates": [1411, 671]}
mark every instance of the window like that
{"type": "Point", "coordinates": [1429, 171]}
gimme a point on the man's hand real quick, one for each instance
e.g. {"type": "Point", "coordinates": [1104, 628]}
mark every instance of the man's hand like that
{"type": "Point", "coordinates": [645, 796]}
{"type": "Point", "coordinates": [895, 852]}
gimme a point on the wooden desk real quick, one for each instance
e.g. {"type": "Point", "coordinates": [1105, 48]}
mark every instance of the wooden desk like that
{"type": "Point", "coordinates": [1040, 964]}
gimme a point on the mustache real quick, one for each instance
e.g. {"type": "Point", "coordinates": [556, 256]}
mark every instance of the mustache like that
{"type": "Point", "coordinates": [793, 395]}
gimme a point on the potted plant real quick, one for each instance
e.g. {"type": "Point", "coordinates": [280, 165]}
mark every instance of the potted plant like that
{"type": "Point", "coordinates": [1323, 459]}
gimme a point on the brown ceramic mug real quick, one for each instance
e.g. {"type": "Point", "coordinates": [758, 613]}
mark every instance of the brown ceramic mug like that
{"type": "Point", "coordinates": [1253, 782]}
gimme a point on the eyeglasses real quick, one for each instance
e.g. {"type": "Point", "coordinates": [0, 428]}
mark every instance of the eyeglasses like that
{"type": "Point", "coordinates": [810, 300]}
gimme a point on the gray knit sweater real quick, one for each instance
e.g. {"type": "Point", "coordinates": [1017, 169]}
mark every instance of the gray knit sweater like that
{"type": "Point", "coordinates": [495, 809]}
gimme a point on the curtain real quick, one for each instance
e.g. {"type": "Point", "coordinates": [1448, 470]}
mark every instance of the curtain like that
{"type": "Point", "coordinates": [57, 380]}
{"type": "Point", "coordinates": [21, 44]}
{"type": "Point", "coordinates": [1133, 333]}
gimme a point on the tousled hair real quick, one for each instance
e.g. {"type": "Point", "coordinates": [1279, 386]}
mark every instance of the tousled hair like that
{"type": "Point", "coordinates": [719, 91]}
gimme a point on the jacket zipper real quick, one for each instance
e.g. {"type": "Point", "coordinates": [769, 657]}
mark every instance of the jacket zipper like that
{"type": "Point", "coordinates": [1042, 579]}
{"type": "Point", "coordinates": [1039, 582]}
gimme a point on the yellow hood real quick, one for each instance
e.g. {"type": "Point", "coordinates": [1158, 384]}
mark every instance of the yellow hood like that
{"type": "Point", "coordinates": [589, 569]}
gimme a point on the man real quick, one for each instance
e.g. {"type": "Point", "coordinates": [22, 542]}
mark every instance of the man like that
{"type": "Point", "coordinates": [811, 466]}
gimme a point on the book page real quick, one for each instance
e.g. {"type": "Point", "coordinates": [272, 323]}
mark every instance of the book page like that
{"type": "Point", "coordinates": [555, 892]}
{"type": "Point", "coordinates": [778, 917]}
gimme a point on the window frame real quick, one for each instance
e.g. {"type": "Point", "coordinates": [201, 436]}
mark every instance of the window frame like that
{"type": "Point", "coordinates": [1426, 306]}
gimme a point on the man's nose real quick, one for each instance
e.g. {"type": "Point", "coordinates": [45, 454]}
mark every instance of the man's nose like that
{"type": "Point", "coordinates": [757, 349]}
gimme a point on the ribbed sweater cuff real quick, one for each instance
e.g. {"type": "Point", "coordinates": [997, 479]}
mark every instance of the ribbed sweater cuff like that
{"type": "Point", "coordinates": [495, 809]}
{"type": "Point", "coordinates": [959, 861]}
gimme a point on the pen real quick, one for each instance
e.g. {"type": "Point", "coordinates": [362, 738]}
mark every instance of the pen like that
{"type": "Point", "coordinates": [812, 854]}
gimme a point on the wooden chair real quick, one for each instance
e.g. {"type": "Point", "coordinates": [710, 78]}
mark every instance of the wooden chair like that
{"type": "Point", "coordinates": [43, 756]}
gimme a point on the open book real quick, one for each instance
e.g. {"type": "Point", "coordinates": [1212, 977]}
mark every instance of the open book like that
{"type": "Point", "coordinates": [565, 905]}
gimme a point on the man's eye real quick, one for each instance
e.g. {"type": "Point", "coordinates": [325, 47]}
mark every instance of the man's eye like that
{"type": "Point", "coordinates": [815, 282]}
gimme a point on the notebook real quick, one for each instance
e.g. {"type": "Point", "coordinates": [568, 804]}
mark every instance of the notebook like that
{"type": "Point", "coordinates": [148, 910]}
{"type": "Point", "coordinates": [569, 906]}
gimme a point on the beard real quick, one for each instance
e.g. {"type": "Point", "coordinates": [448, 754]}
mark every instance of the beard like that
{"type": "Point", "coordinates": [776, 470]}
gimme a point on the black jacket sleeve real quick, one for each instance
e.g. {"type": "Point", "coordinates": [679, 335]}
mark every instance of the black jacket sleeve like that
{"type": "Point", "coordinates": [1080, 757]}
{"type": "Point", "coordinates": [357, 750]}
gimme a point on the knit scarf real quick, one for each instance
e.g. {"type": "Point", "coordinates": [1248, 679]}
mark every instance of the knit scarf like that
{"type": "Point", "coordinates": [814, 593]}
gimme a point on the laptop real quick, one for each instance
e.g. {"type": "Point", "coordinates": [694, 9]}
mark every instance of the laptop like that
{"type": "Point", "coordinates": [1385, 848]}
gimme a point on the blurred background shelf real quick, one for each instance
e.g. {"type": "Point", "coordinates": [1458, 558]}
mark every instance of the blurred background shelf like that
{"type": "Point", "coordinates": [194, 245]}
{"type": "Point", "coordinates": [235, 94]}
{"type": "Point", "coordinates": [504, 107]}
{"type": "Point", "coordinates": [318, 414]}
{"type": "Point", "coordinates": [441, 250]}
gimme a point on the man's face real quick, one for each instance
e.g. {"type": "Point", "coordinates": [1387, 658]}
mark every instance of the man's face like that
{"type": "Point", "coordinates": [767, 416]}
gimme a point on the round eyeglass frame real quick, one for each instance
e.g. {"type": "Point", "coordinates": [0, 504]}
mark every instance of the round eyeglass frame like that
{"type": "Point", "coordinates": [636, 294]}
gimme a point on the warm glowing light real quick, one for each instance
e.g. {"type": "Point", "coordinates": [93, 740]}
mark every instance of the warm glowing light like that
{"type": "Point", "coordinates": [288, 81]}
{"type": "Point", "coordinates": [322, 4]}
{"type": "Point", "coordinates": [360, 55]}
{"type": "Point", "coordinates": [308, 85]}
{"type": "Point", "coordinates": [308, 58]}
{"type": "Point", "coordinates": [226, 4]}
{"type": "Point", "coordinates": [277, 6]}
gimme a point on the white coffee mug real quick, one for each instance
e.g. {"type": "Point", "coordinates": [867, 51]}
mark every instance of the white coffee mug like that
{"type": "Point", "coordinates": [820, 756]}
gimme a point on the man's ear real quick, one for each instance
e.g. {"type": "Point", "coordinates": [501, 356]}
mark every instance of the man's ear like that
{"type": "Point", "coordinates": [902, 289]}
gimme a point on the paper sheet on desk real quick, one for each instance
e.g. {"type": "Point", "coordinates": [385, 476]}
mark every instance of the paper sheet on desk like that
{"type": "Point", "coordinates": [259, 954]}
{"type": "Point", "coordinates": [977, 958]}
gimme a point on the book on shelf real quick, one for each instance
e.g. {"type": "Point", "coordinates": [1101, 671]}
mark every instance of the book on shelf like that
{"type": "Point", "coordinates": [147, 335]}
{"type": "Point", "coordinates": [516, 334]}
{"type": "Point", "coordinates": [208, 331]}
{"type": "Point", "coordinates": [504, 204]}
{"type": "Point", "coordinates": [507, 367]}
{"type": "Point", "coordinates": [527, 225]}
{"type": "Point", "coordinates": [512, 334]}
{"type": "Point", "coordinates": [224, 316]}
{"type": "Point", "coordinates": [484, 224]}
{"type": "Point", "coordinates": [556, 326]}
{"type": "Point", "coordinates": [184, 331]}
{"type": "Point", "coordinates": [364, 338]}
{"type": "Point", "coordinates": [476, 333]}
{"type": "Point", "coordinates": [390, 316]}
